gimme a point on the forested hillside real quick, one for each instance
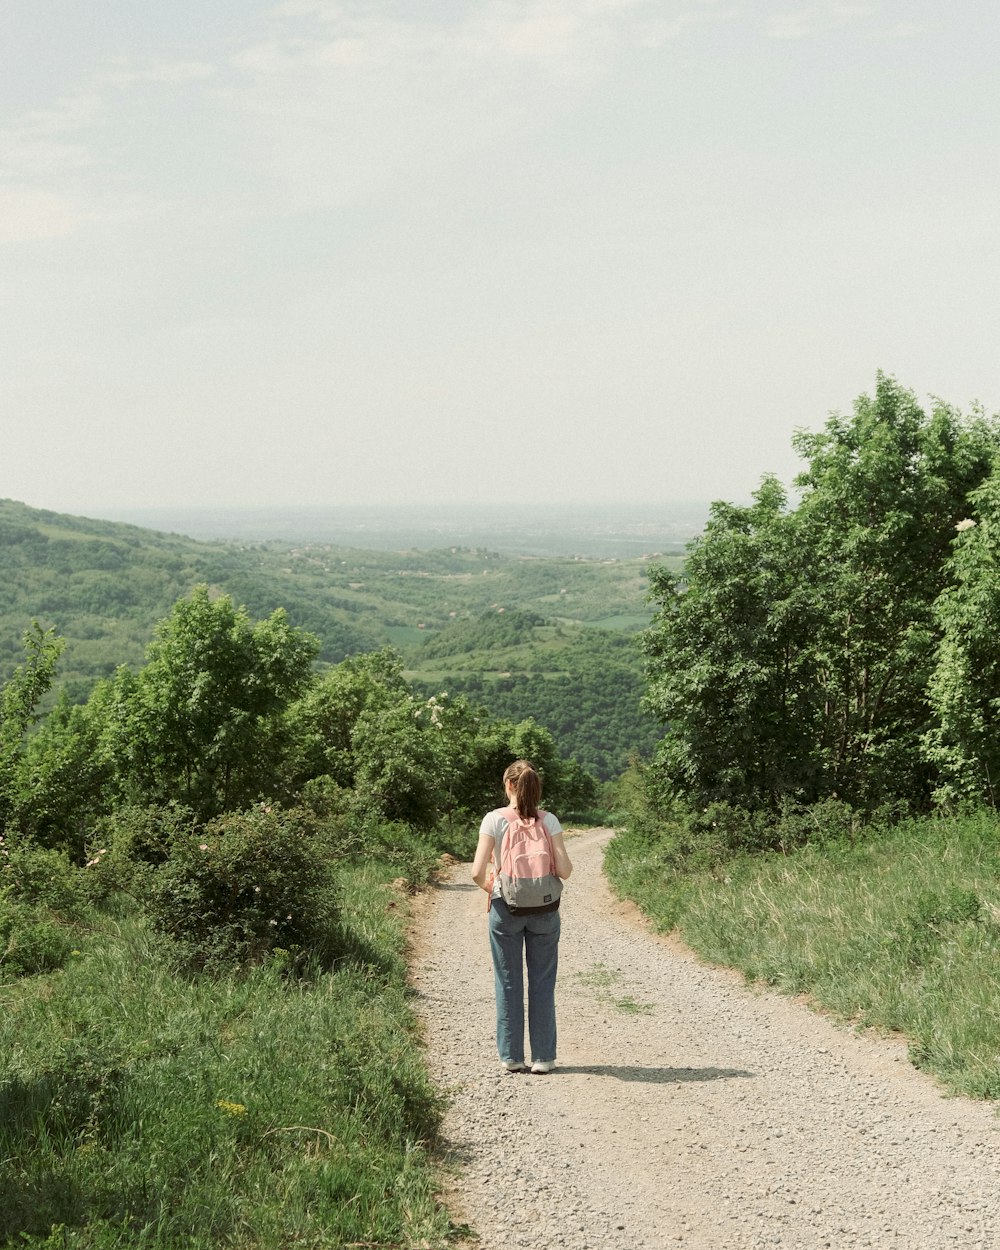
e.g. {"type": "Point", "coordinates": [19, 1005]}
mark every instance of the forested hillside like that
{"type": "Point", "coordinates": [585, 685]}
{"type": "Point", "coordinates": [102, 586]}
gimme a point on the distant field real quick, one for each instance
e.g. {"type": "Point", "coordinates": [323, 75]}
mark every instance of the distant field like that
{"type": "Point", "coordinates": [624, 621]}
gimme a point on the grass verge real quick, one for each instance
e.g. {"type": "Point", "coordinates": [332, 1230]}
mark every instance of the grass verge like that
{"type": "Point", "coordinates": [141, 1107]}
{"type": "Point", "coordinates": [899, 932]}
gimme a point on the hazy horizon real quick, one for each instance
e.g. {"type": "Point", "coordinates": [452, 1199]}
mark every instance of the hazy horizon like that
{"type": "Point", "coordinates": [599, 530]}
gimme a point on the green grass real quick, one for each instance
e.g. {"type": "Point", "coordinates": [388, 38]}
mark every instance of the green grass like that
{"type": "Point", "coordinates": [898, 933]}
{"type": "Point", "coordinates": [143, 1108]}
{"type": "Point", "coordinates": [622, 620]}
{"type": "Point", "coordinates": [601, 979]}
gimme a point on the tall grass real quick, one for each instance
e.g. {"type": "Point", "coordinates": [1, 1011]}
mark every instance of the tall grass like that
{"type": "Point", "coordinates": [142, 1107]}
{"type": "Point", "coordinates": [898, 931]}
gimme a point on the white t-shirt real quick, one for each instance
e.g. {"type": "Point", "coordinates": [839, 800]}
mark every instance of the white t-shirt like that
{"type": "Point", "coordinates": [495, 825]}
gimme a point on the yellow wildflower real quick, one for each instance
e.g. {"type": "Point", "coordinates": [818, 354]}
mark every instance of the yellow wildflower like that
{"type": "Point", "coordinates": [230, 1108]}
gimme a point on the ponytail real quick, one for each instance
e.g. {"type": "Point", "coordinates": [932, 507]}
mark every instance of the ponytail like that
{"type": "Point", "coordinates": [527, 788]}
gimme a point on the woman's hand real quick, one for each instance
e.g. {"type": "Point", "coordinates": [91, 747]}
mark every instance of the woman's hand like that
{"type": "Point", "coordinates": [562, 865]}
{"type": "Point", "coordinates": [481, 863]}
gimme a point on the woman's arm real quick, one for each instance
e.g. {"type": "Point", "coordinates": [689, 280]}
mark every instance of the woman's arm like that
{"type": "Point", "coordinates": [481, 864]}
{"type": "Point", "coordinates": [561, 856]}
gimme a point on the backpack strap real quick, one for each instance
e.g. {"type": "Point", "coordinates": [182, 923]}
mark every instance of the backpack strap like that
{"type": "Point", "coordinates": [510, 815]}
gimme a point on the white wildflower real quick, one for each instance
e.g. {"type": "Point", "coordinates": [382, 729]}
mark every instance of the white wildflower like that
{"type": "Point", "coordinates": [967, 524]}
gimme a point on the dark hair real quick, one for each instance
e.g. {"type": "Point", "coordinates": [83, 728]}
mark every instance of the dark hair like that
{"type": "Point", "coordinates": [527, 788]}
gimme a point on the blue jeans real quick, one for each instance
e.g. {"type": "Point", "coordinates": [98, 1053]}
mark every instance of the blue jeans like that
{"type": "Point", "coordinates": [514, 941]}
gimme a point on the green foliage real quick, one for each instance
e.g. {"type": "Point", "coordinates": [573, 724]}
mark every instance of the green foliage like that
{"type": "Point", "coordinates": [479, 616]}
{"type": "Point", "coordinates": [33, 874]}
{"type": "Point", "coordinates": [492, 630]}
{"type": "Point", "coordinates": [42, 898]}
{"type": "Point", "coordinates": [105, 585]}
{"type": "Point", "coordinates": [64, 774]}
{"type": "Point", "coordinates": [584, 685]}
{"type": "Point", "coordinates": [199, 722]}
{"type": "Point", "coordinates": [321, 723]}
{"type": "Point", "coordinates": [19, 699]}
{"type": "Point", "coordinates": [729, 660]}
{"type": "Point", "coordinates": [361, 736]}
{"type": "Point", "coordinates": [246, 884]}
{"type": "Point", "coordinates": [401, 766]}
{"type": "Point", "coordinates": [131, 843]}
{"type": "Point", "coordinates": [143, 1107]}
{"type": "Point", "coordinates": [794, 661]}
{"type": "Point", "coordinates": [32, 941]}
{"type": "Point", "coordinates": [964, 689]}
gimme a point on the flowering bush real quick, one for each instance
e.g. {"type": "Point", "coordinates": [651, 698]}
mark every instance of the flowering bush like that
{"type": "Point", "coordinates": [246, 884]}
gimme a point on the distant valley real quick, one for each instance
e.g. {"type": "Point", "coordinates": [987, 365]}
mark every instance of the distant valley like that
{"type": "Point", "coordinates": [548, 636]}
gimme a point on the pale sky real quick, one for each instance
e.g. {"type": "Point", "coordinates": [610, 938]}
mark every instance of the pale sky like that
{"type": "Point", "coordinates": [320, 252]}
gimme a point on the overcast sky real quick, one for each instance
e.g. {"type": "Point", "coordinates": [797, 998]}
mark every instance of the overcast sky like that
{"type": "Point", "coordinates": [315, 252]}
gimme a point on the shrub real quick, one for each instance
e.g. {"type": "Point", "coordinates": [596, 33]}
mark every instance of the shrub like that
{"type": "Point", "coordinates": [31, 940]}
{"type": "Point", "coordinates": [34, 875]}
{"type": "Point", "coordinates": [132, 843]}
{"type": "Point", "coordinates": [246, 884]}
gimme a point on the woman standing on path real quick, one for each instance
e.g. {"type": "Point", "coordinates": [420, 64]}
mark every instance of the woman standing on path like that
{"type": "Point", "coordinates": [523, 934]}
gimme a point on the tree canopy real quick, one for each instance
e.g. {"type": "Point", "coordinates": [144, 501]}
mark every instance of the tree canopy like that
{"type": "Point", "coordinates": [796, 659]}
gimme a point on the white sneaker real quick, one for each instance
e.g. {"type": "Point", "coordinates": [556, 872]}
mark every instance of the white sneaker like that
{"type": "Point", "coordinates": [546, 1065]}
{"type": "Point", "coordinates": [515, 1067]}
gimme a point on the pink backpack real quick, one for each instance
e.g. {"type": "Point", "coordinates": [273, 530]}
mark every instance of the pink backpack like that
{"type": "Point", "coordinates": [527, 869]}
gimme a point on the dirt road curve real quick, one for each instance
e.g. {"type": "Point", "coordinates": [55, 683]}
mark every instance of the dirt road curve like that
{"type": "Point", "coordinates": [686, 1109]}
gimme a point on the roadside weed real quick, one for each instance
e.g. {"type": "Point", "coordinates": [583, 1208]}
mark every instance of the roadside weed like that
{"type": "Point", "coordinates": [601, 978]}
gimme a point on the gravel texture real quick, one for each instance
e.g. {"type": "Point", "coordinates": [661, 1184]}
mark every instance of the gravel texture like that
{"type": "Point", "coordinates": [686, 1109]}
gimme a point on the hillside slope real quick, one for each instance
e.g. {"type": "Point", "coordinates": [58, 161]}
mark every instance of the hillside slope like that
{"type": "Point", "coordinates": [104, 585]}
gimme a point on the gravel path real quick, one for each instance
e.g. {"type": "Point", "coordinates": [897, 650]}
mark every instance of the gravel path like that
{"type": "Point", "coordinates": [685, 1109]}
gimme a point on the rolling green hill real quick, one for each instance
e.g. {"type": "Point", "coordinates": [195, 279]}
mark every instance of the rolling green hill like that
{"type": "Point", "coordinates": [583, 684]}
{"type": "Point", "coordinates": [103, 585]}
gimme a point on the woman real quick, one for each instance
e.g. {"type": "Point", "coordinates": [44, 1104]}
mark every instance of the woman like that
{"type": "Point", "coordinates": [529, 935]}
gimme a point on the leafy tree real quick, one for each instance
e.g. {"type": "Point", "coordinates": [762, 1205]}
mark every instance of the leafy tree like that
{"type": "Point", "coordinates": [402, 766]}
{"type": "Point", "coordinates": [964, 689]}
{"type": "Point", "coordinates": [19, 700]}
{"type": "Point", "coordinates": [321, 722]}
{"type": "Point", "coordinates": [793, 664]}
{"type": "Point", "coordinates": [730, 667]}
{"type": "Point", "coordinates": [882, 493]}
{"type": "Point", "coordinates": [201, 722]}
{"type": "Point", "coordinates": [64, 774]}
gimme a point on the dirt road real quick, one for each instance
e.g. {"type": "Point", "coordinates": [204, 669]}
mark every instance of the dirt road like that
{"type": "Point", "coordinates": [685, 1109]}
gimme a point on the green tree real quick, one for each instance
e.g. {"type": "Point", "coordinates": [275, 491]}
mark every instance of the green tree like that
{"type": "Point", "coordinates": [882, 493]}
{"type": "Point", "coordinates": [794, 663]}
{"type": "Point", "coordinates": [64, 774]}
{"type": "Point", "coordinates": [964, 689]}
{"type": "Point", "coordinates": [402, 765]}
{"type": "Point", "coordinates": [19, 701]}
{"type": "Point", "coordinates": [321, 722]}
{"type": "Point", "coordinates": [201, 722]}
{"type": "Point", "coordinates": [730, 661]}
